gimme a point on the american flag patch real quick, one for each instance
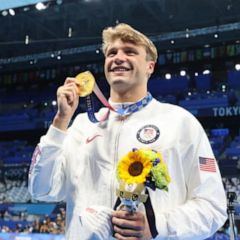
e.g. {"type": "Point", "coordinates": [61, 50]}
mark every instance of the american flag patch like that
{"type": "Point", "coordinates": [207, 164]}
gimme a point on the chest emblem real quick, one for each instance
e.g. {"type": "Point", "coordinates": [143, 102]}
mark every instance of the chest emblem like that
{"type": "Point", "coordinates": [148, 134]}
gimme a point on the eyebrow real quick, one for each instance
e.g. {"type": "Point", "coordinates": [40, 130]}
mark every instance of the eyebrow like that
{"type": "Point", "coordinates": [126, 48]}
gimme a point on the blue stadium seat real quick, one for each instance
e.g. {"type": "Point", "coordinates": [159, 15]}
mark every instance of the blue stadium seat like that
{"type": "Point", "coordinates": [233, 78]}
{"type": "Point", "coordinates": [164, 86]}
{"type": "Point", "coordinates": [203, 82]}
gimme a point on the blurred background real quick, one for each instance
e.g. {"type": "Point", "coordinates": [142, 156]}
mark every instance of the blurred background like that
{"type": "Point", "coordinates": [43, 42]}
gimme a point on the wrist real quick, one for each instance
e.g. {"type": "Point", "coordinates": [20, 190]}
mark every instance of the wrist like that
{"type": "Point", "coordinates": [61, 122]}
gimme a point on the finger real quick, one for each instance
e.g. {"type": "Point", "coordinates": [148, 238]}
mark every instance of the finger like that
{"type": "Point", "coordinates": [67, 94]}
{"type": "Point", "coordinates": [120, 237]}
{"type": "Point", "coordinates": [69, 80]}
{"type": "Point", "coordinates": [63, 91]}
{"type": "Point", "coordinates": [130, 224]}
{"type": "Point", "coordinates": [72, 81]}
{"type": "Point", "coordinates": [70, 88]}
{"type": "Point", "coordinates": [125, 215]}
{"type": "Point", "coordinates": [71, 84]}
{"type": "Point", "coordinates": [127, 232]}
{"type": "Point", "coordinates": [73, 90]}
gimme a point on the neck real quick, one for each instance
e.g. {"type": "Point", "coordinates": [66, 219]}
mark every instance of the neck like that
{"type": "Point", "coordinates": [127, 97]}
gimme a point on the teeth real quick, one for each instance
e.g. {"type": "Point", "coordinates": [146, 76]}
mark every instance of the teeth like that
{"type": "Point", "coordinates": [120, 69]}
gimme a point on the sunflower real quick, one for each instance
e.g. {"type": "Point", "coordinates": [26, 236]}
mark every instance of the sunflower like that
{"type": "Point", "coordinates": [134, 167]}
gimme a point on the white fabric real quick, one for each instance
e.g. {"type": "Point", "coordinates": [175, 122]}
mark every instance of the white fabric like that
{"type": "Point", "coordinates": [94, 223]}
{"type": "Point", "coordinates": [80, 167]}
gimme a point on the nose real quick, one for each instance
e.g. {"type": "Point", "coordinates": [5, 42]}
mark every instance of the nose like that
{"type": "Point", "coordinates": [119, 58]}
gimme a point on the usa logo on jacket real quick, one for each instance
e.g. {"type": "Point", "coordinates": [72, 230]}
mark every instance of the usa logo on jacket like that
{"type": "Point", "coordinates": [148, 134]}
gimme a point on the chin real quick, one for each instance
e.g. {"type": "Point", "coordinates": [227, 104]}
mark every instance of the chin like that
{"type": "Point", "coordinates": [119, 85]}
{"type": "Point", "coordinates": [118, 81]}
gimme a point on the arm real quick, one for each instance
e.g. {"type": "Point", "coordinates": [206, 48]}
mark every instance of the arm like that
{"type": "Point", "coordinates": [47, 171]}
{"type": "Point", "coordinates": [205, 208]}
{"type": "Point", "coordinates": [46, 174]}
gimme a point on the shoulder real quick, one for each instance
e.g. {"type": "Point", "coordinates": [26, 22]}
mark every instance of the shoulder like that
{"type": "Point", "coordinates": [172, 109]}
{"type": "Point", "coordinates": [175, 115]}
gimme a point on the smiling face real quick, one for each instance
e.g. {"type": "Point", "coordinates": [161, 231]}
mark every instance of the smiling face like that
{"type": "Point", "coordinates": [127, 70]}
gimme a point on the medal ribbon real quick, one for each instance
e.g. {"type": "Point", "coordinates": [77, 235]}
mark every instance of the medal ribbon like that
{"type": "Point", "coordinates": [122, 111]}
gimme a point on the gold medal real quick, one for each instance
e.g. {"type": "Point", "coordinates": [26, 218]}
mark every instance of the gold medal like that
{"type": "Point", "coordinates": [86, 82]}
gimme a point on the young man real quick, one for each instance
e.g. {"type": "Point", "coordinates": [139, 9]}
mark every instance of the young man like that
{"type": "Point", "coordinates": [78, 163]}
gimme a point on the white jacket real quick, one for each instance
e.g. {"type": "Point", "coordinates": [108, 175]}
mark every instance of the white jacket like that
{"type": "Point", "coordinates": [79, 167]}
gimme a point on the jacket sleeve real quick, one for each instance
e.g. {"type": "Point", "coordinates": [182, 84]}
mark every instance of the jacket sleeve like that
{"type": "Point", "coordinates": [204, 211]}
{"type": "Point", "coordinates": [46, 173]}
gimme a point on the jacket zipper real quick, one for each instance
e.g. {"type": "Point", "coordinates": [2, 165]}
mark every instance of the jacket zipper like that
{"type": "Point", "coordinates": [113, 177]}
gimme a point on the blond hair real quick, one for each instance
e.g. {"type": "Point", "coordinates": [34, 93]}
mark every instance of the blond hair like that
{"type": "Point", "coordinates": [126, 33]}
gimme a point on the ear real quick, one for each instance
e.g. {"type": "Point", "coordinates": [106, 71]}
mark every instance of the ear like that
{"type": "Point", "coordinates": [151, 66]}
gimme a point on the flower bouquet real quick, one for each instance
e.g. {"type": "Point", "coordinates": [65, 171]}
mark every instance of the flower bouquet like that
{"type": "Point", "coordinates": [136, 170]}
